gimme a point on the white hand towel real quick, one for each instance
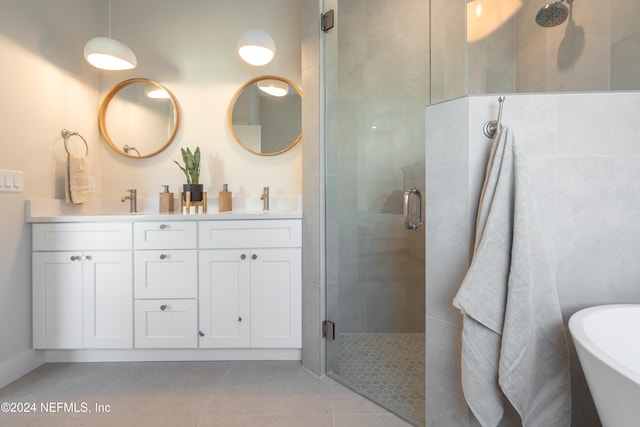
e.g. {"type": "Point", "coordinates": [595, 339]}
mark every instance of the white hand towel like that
{"type": "Point", "coordinates": [76, 186]}
{"type": "Point", "coordinates": [513, 339]}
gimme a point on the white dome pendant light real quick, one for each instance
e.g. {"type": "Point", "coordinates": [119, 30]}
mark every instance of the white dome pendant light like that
{"type": "Point", "coordinates": [256, 46]}
{"type": "Point", "coordinates": [273, 87]}
{"type": "Point", "coordinates": [107, 53]}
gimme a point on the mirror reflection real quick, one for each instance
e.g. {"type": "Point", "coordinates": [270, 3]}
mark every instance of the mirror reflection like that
{"type": "Point", "coordinates": [265, 115]}
{"type": "Point", "coordinates": [139, 118]}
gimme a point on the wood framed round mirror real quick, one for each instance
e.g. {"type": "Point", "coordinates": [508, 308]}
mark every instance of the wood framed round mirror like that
{"type": "Point", "coordinates": [139, 118]}
{"type": "Point", "coordinates": [265, 115]}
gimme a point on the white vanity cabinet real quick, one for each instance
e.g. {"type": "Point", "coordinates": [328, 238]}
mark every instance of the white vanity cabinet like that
{"type": "Point", "coordinates": [82, 286]}
{"type": "Point", "coordinates": [174, 287]}
{"type": "Point", "coordinates": [166, 284]}
{"type": "Point", "coordinates": [250, 284]}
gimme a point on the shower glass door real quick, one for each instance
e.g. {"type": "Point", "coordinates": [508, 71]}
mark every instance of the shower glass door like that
{"type": "Point", "coordinates": [376, 88]}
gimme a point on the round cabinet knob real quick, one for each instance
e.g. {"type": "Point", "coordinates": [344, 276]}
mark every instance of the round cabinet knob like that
{"type": "Point", "coordinates": [75, 258]}
{"type": "Point", "coordinates": [243, 256]}
{"type": "Point", "coordinates": [163, 226]}
{"type": "Point", "coordinates": [163, 307]}
{"type": "Point", "coordinates": [254, 256]}
{"type": "Point", "coordinates": [163, 256]}
{"type": "Point", "coordinates": [239, 319]}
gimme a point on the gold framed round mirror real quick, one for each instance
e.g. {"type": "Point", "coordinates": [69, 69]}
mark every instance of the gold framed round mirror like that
{"type": "Point", "coordinates": [139, 118]}
{"type": "Point", "coordinates": [265, 115]}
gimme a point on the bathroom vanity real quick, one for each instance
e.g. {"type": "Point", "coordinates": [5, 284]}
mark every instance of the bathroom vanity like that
{"type": "Point", "coordinates": [167, 287]}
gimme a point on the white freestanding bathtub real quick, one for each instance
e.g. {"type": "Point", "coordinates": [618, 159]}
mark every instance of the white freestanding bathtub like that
{"type": "Point", "coordinates": [607, 339]}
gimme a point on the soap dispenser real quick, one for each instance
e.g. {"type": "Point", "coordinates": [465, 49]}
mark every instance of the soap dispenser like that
{"type": "Point", "coordinates": [224, 199]}
{"type": "Point", "coordinates": [166, 200]}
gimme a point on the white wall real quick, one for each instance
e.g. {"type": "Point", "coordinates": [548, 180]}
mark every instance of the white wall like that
{"type": "Point", "coordinates": [46, 86]}
{"type": "Point", "coordinates": [585, 179]}
{"type": "Point", "coordinates": [190, 46]}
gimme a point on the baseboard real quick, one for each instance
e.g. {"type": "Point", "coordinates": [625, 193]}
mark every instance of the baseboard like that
{"type": "Point", "coordinates": [20, 365]}
{"type": "Point", "coordinates": [166, 355]}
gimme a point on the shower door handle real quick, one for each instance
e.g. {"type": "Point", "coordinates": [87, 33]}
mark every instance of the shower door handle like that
{"type": "Point", "coordinates": [413, 191]}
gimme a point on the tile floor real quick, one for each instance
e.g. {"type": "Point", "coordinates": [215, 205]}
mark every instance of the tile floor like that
{"type": "Point", "coordinates": [187, 394]}
{"type": "Point", "coordinates": [387, 367]}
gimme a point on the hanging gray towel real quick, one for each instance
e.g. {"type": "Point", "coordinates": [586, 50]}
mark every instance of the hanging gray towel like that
{"type": "Point", "coordinates": [513, 339]}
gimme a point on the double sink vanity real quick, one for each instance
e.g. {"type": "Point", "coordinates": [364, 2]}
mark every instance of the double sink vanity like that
{"type": "Point", "coordinates": [111, 285]}
{"type": "Point", "coordinates": [152, 286]}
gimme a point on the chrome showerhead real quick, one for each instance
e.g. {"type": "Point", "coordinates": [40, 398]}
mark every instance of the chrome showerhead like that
{"type": "Point", "coordinates": [553, 14]}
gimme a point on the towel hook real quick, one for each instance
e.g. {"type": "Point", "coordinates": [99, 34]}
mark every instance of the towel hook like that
{"type": "Point", "coordinates": [66, 134]}
{"type": "Point", "coordinates": [493, 126]}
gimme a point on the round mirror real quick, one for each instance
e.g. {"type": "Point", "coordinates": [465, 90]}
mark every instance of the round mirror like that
{"type": "Point", "coordinates": [139, 118]}
{"type": "Point", "coordinates": [265, 115]}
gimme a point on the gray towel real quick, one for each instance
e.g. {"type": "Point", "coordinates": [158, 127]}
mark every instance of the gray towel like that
{"type": "Point", "coordinates": [513, 339]}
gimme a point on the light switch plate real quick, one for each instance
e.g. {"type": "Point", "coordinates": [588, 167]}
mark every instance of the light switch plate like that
{"type": "Point", "coordinates": [11, 181]}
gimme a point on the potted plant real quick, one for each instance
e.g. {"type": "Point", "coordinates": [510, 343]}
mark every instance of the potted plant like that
{"type": "Point", "coordinates": [191, 171]}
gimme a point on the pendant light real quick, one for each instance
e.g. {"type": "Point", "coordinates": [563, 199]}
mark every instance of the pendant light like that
{"type": "Point", "coordinates": [256, 46]}
{"type": "Point", "coordinates": [273, 87]}
{"type": "Point", "coordinates": [107, 53]}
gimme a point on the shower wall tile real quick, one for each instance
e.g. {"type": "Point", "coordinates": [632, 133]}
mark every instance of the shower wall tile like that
{"type": "Point", "coordinates": [598, 124]}
{"type": "Point", "coordinates": [446, 127]}
{"type": "Point", "coordinates": [352, 308]}
{"type": "Point", "coordinates": [598, 231]}
{"type": "Point", "coordinates": [533, 120]}
{"type": "Point", "coordinates": [448, 233]}
{"type": "Point", "coordinates": [492, 62]}
{"type": "Point", "coordinates": [309, 11]}
{"type": "Point", "coordinates": [385, 306]}
{"type": "Point", "coordinates": [445, 405]}
{"type": "Point", "coordinates": [543, 183]}
{"type": "Point", "coordinates": [313, 357]}
{"type": "Point", "coordinates": [625, 45]}
{"type": "Point", "coordinates": [313, 290]}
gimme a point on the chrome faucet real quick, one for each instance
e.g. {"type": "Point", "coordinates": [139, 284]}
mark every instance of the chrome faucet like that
{"type": "Point", "coordinates": [265, 198]}
{"type": "Point", "coordinates": [133, 199]}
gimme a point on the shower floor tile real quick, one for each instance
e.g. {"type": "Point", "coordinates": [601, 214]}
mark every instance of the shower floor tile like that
{"type": "Point", "coordinates": [388, 368]}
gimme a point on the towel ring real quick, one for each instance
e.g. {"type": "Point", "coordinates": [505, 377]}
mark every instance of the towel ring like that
{"type": "Point", "coordinates": [66, 134]}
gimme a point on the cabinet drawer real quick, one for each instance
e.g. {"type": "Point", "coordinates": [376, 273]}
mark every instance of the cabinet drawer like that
{"type": "Point", "coordinates": [165, 235]}
{"type": "Point", "coordinates": [82, 236]}
{"type": "Point", "coordinates": [166, 274]}
{"type": "Point", "coordinates": [166, 323]}
{"type": "Point", "coordinates": [250, 234]}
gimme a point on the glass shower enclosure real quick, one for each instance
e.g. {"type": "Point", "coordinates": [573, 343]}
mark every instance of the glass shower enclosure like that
{"type": "Point", "coordinates": [376, 88]}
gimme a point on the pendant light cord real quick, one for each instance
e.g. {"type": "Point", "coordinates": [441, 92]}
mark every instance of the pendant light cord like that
{"type": "Point", "coordinates": [110, 19]}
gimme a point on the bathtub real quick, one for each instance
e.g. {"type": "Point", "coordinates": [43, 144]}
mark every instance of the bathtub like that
{"type": "Point", "coordinates": [607, 339]}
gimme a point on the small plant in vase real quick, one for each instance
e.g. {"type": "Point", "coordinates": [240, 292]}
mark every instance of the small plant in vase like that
{"type": "Point", "coordinates": [191, 171]}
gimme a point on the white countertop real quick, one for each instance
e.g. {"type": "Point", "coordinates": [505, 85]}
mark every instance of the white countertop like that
{"type": "Point", "coordinates": [55, 210]}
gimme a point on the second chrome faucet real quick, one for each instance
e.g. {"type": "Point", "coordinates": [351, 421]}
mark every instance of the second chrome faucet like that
{"type": "Point", "coordinates": [265, 198]}
{"type": "Point", "coordinates": [133, 200]}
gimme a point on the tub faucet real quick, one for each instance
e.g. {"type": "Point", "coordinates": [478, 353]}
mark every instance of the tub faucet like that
{"type": "Point", "coordinates": [133, 200]}
{"type": "Point", "coordinates": [265, 198]}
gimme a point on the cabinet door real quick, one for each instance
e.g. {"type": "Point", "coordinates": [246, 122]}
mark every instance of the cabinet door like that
{"type": "Point", "coordinates": [276, 298]}
{"type": "Point", "coordinates": [166, 323]}
{"type": "Point", "coordinates": [57, 300]}
{"type": "Point", "coordinates": [224, 298]}
{"type": "Point", "coordinates": [166, 274]}
{"type": "Point", "coordinates": [108, 299]}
